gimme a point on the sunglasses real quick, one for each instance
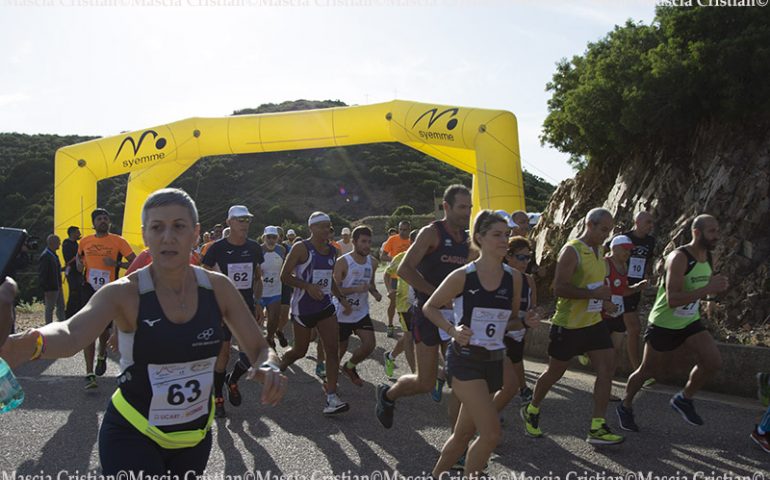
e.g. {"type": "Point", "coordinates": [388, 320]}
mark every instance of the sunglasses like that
{"type": "Point", "coordinates": [522, 257]}
{"type": "Point", "coordinates": [244, 219]}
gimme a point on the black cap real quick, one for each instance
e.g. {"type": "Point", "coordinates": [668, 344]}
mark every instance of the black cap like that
{"type": "Point", "coordinates": [97, 212]}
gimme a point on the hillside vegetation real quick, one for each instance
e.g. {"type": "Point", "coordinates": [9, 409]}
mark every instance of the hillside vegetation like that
{"type": "Point", "coordinates": [280, 188]}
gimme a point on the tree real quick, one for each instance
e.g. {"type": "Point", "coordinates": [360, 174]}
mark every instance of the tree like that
{"type": "Point", "coordinates": [643, 85]}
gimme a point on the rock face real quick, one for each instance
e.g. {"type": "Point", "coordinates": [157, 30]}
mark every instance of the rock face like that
{"type": "Point", "coordinates": [721, 171]}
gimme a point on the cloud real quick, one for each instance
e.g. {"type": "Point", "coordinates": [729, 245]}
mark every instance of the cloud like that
{"type": "Point", "coordinates": [9, 98]}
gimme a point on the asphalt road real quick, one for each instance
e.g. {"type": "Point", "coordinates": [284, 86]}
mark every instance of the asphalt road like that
{"type": "Point", "coordinates": [56, 429]}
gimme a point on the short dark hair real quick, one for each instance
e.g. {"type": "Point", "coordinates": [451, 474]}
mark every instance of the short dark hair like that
{"type": "Point", "coordinates": [71, 229]}
{"type": "Point", "coordinates": [97, 212]}
{"type": "Point", "coordinates": [451, 192]}
{"type": "Point", "coordinates": [517, 243]}
{"type": "Point", "coordinates": [361, 230]}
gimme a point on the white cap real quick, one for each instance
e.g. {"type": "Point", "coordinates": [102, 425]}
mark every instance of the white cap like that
{"type": "Point", "coordinates": [345, 231]}
{"type": "Point", "coordinates": [622, 241]}
{"type": "Point", "coordinates": [237, 211]}
{"type": "Point", "coordinates": [504, 214]}
{"type": "Point", "coordinates": [271, 230]}
{"type": "Point", "coordinates": [290, 232]}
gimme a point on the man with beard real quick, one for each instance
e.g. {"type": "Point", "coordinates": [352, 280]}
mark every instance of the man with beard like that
{"type": "Point", "coordinates": [100, 256]}
{"type": "Point", "coordinates": [354, 273]}
{"type": "Point", "coordinates": [675, 322]}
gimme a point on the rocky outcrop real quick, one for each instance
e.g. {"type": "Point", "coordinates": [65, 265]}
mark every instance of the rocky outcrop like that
{"type": "Point", "coordinates": [717, 170]}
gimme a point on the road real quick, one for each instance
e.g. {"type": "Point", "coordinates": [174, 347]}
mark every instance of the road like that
{"type": "Point", "coordinates": [56, 429]}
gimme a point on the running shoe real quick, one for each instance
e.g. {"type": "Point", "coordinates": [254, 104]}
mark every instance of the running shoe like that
{"type": "Point", "coordinates": [101, 366]}
{"type": "Point", "coordinates": [531, 421]}
{"type": "Point", "coordinates": [762, 440]}
{"type": "Point", "coordinates": [384, 407]}
{"type": "Point", "coordinates": [649, 383]}
{"type": "Point", "coordinates": [626, 418]}
{"type": "Point", "coordinates": [584, 360]}
{"type": "Point", "coordinates": [233, 394]}
{"type": "Point", "coordinates": [686, 409]}
{"type": "Point", "coordinates": [390, 365]}
{"type": "Point", "coordinates": [334, 405]}
{"type": "Point", "coordinates": [525, 394]}
{"type": "Point", "coordinates": [352, 374]}
{"type": "Point", "coordinates": [438, 390]}
{"type": "Point", "coordinates": [219, 408]}
{"type": "Point", "coordinates": [90, 381]}
{"type": "Point", "coordinates": [320, 370]}
{"type": "Point", "coordinates": [603, 436]}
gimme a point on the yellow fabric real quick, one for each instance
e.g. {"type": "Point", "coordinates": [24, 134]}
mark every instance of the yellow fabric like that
{"type": "Point", "coordinates": [402, 288]}
{"type": "Point", "coordinates": [481, 142]}
{"type": "Point", "coordinates": [170, 440]}
{"type": "Point", "coordinates": [591, 269]}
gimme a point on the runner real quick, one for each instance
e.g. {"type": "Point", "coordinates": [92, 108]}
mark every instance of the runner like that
{"type": "Point", "coordinates": [100, 258]}
{"type": "Point", "coordinates": [517, 257]}
{"type": "Point", "coordinates": [346, 245]}
{"type": "Point", "coordinates": [291, 236]}
{"type": "Point", "coordinates": [404, 301]}
{"type": "Point", "coordinates": [69, 250]}
{"type": "Point", "coordinates": [578, 327]}
{"type": "Point", "coordinates": [394, 245]}
{"type": "Point", "coordinates": [675, 322]}
{"type": "Point", "coordinates": [354, 273]}
{"type": "Point", "coordinates": [308, 269]}
{"type": "Point", "coordinates": [158, 420]}
{"type": "Point", "coordinates": [239, 258]}
{"type": "Point", "coordinates": [439, 249]}
{"type": "Point", "coordinates": [639, 268]}
{"type": "Point", "coordinates": [286, 292]}
{"type": "Point", "coordinates": [216, 234]}
{"type": "Point", "coordinates": [486, 295]}
{"type": "Point", "coordinates": [620, 250]}
{"type": "Point", "coordinates": [274, 255]}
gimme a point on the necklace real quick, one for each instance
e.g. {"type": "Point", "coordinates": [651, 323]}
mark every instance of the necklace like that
{"type": "Point", "coordinates": [180, 298]}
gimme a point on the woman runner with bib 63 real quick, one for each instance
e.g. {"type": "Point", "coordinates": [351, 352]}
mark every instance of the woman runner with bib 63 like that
{"type": "Point", "coordinates": [169, 317]}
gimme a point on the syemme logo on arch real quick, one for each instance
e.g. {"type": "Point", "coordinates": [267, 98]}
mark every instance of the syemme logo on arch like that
{"type": "Point", "coordinates": [160, 143]}
{"type": "Point", "coordinates": [433, 116]}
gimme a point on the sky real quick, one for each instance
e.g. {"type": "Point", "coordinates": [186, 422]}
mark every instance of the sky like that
{"type": "Point", "coordinates": [100, 67]}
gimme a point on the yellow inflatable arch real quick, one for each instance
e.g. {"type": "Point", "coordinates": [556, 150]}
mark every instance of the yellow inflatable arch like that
{"type": "Point", "coordinates": [481, 142]}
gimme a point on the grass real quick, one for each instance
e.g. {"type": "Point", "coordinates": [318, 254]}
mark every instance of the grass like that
{"type": "Point", "coordinates": [35, 306]}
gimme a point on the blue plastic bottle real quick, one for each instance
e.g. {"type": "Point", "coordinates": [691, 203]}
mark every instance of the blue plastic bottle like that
{"type": "Point", "coordinates": [11, 394]}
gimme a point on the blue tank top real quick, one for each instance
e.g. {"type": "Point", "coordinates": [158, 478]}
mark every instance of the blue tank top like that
{"type": "Point", "coordinates": [447, 257]}
{"type": "Point", "coordinates": [167, 368]}
{"type": "Point", "coordinates": [317, 269]}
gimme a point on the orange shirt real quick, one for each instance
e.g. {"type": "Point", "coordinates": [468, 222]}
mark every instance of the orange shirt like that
{"type": "Point", "coordinates": [144, 259]}
{"type": "Point", "coordinates": [336, 245]}
{"type": "Point", "coordinates": [395, 245]}
{"type": "Point", "coordinates": [205, 248]}
{"type": "Point", "coordinates": [94, 250]}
